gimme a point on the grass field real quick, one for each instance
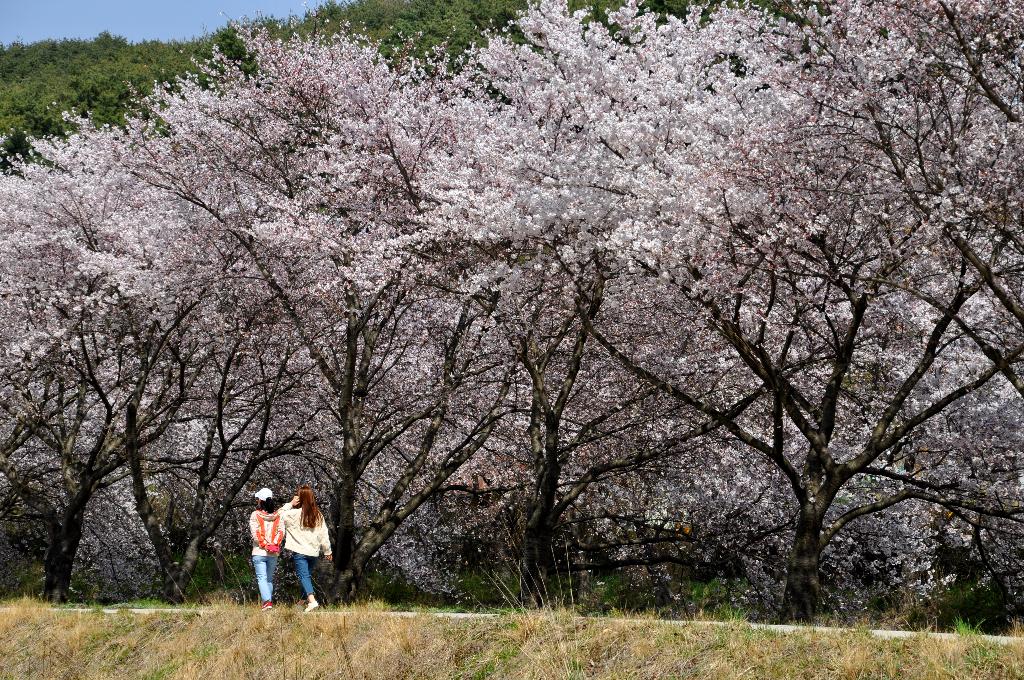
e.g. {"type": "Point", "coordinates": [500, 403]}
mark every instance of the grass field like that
{"type": "Point", "coordinates": [233, 642]}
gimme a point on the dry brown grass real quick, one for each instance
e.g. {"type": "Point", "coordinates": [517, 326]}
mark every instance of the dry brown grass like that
{"type": "Point", "coordinates": [229, 642]}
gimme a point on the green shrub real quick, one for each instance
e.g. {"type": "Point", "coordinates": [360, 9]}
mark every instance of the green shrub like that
{"type": "Point", "coordinates": [974, 604]}
{"type": "Point", "coordinates": [489, 589]}
{"type": "Point", "coordinates": [237, 579]}
{"type": "Point", "coordinates": [24, 580]}
{"type": "Point", "coordinates": [967, 604]}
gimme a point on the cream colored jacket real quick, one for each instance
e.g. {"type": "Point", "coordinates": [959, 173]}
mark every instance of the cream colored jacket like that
{"type": "Point", "coordinates": [309, 542]}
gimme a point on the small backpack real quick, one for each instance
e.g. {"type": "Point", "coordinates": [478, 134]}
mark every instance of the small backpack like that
{"type": "Point", "coordinates": [273, 544]}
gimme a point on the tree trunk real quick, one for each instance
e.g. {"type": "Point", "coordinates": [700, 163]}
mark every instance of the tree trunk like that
{"type": "Point", "coordinates": [803, 578]}
{"type": "Point", "coordinates": [59, 560]}
{"type": "Point", "coordinates": [538, 534]}
{"type": "Point", "coordinates": [535, 564]}
{"type": "Point", "coordinates": [178, 574]}
{"type": "Point", "coordinates": [537, 542]}
{"type": "Point", "coordinates": [220, 565]}
{"type": "Point", "coordinates": [176, 581]}
{"type": "Point", "coordinates": [346, 577]}
{"type": "Point", "coordinates": [345, 585]}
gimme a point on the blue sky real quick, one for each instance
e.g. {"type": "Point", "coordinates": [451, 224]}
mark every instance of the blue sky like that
{"type": "Point", "coordinates": [31, 20]}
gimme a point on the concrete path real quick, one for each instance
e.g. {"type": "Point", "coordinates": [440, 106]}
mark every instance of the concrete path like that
{"type": "Point", "coordinates": [775, 628]}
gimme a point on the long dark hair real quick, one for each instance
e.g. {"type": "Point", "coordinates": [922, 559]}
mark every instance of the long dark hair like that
{"type": "Point", "coordinates": [268, 506]}
{"type": "Point", "coordinates": [311, 515]}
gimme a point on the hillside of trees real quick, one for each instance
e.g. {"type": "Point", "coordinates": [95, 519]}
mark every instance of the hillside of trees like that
{"type": "Point", "coordinates": [41, 80]}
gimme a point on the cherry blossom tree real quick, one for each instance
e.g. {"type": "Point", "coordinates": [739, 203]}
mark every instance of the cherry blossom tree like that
{"type": "Point", "coordinates": [245, 410]}
{"type": "Point", "coordinates": [687, 154]}
{"type": "Point", "coordinates": [95, 301]}
{"type": "Point", "coordinates": [316, 172]}
{"type": "Point", "coordinates": [918, 100]}
{"type": "Point", "coordinates": [585, 422]}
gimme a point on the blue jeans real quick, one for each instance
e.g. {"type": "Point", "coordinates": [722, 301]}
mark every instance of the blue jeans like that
{"type": "Point", "coordinates": [304, 566]}
{"type": "Point", "coordinates": [264, 566]}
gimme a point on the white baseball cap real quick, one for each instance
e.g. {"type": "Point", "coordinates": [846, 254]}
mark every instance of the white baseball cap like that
{"type": "Point", "coordinates": [263, 494]}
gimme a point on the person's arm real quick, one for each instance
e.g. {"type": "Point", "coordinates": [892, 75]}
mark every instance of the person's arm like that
{"type": "Point", "coordinates": [325, 539]}
{"type": "Point", "coordinates": [288, 513]}
{"type": "Point", "coordinates": [254, 527]}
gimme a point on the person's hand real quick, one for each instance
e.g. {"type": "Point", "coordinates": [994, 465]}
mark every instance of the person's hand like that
{"type": "Point", "coordinates": [329, 558]}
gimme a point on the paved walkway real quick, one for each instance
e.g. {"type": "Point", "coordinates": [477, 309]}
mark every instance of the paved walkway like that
{"type": "Point", "coordinates": [775, 628]}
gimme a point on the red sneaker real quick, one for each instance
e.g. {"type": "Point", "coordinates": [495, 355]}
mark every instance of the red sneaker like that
{"type": "Point", "coordinates": [267, 606]}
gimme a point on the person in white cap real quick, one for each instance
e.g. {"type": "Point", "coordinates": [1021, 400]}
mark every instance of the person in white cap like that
{"type": "Point", "coordinates": [267, 530]}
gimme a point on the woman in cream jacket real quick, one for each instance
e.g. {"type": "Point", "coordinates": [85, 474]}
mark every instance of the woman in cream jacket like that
{"type": "Point", "coordinates": [306, 536]}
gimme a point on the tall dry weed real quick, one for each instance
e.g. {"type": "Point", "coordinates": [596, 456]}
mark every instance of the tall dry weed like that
{"type": "Point", "coordinates": [229, 642]}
